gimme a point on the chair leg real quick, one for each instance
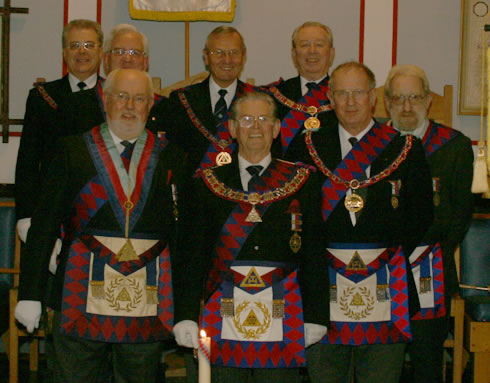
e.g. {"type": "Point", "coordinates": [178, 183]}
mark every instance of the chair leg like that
{"type": "Point", "coordinates": [13, 342]}
{"type": "Point", "coordinates": [481, 371]}
{"type": "Point", "coordinates": [34, 355]}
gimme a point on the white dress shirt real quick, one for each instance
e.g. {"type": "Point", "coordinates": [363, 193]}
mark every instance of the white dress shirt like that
{"type": "Point", "coordinates": [243, 164]}
{"type": "Point", "coordinates": [304, 81]}
{"type": "Point", "coordinates": [215, 88]}
{"type": "Point", "coordinates": [345, 147]}
{"type": "Point", "coordinates": [90, 82]}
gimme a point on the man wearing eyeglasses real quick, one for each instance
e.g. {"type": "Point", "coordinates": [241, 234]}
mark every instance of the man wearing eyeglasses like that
{"type": "Point", "coordinates": [126, 48]}
{"type": "Point", "coordinates": [118, 191]}
{"type": "Point", "coordinates": [82, 53]}
{"type": "Point", "coordinates": [376, 206]}
{"type": "Point", "coordinates": [255, 226]}
{"type": "Point", "coordinates": [302, 100]}
{"type": "Point", "coordinates": [196, 117]}
{"type": "Point", "coordinates": [450, 157]}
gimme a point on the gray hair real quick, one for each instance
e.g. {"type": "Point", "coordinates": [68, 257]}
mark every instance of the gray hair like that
{"type": "Point", "coordinates": [82, 24]}
{"type": "Point", "coordinates": [253, 96]}
{"type": "Point", "coordinates": [109, 82]}
{"type": "Point", "coordinates": [327, 30]}
{"type": "Point", "coordinates": [354, 65]}
{"type": "Point", "coordinates": [224, 29]}
{"type": "Point", "coordinates": [406, 70]}
{"type": "Point", "coordinates": [121, 29]}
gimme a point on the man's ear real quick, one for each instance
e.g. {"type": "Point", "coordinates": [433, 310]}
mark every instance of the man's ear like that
{"type": "Point", "coordinates": [232, 127]}
{"type": "Point", "coordinates": [276, 128]}
{"type": "Point", "coordinates": [330, 97]}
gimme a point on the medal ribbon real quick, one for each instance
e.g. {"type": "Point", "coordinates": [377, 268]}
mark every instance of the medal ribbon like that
{"type": "Point", "coordinates": [236, 229]}
{"type": "Point", "coordinates": [113, 176]}
{"type": "Point", "coordinates": [436, 137]}
{"type": "Point", "coordinates": [360, 157]}
{"type": "Point", "coordinates": [299, 111]}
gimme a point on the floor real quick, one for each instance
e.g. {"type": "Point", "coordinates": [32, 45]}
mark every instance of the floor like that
{"type": "Point", "coordinates": [175, 371]}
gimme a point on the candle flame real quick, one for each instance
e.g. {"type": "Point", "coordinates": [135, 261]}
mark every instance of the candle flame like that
{"type": "Point", "coordinates": [203, 334]}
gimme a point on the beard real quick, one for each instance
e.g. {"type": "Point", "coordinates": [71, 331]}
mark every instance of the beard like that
{"type": "Point", "coordinates": [407, 122]}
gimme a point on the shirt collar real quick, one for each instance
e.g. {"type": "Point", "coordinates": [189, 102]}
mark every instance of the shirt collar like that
{"type": "Point", "coordinates": [304, 81]}
{"type": "Point", "coordinates": [419, 132]}
{"type": "Point", "coordinates": [344, 136]}
{"type": "Point", "coordinates": [243, 164]}
{"type": "Point", "coordinates": [117, 141]}
{"type": "Point", "coordinates": [214, 88]}
{"type": "Point", "coordinates": [90, 81]}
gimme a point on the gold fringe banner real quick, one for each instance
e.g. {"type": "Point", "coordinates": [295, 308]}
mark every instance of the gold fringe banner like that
{"type": "Point", "coordinates": [163, 12]}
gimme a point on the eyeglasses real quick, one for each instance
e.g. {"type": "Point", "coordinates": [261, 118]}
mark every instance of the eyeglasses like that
{"type": "Point", "coordinates": [220, 53]}
{"type": "Point", "coordinates": [87, 45]}
{"type": "Point", "coordinates": [131, 52]}
{"type": "Point", "coordinates": [123, 98]}
{"type": "Point", "coordinates": [249, 121]}
{"type": "Point", "coordinates": [344, 94]}
{"type": "Point", "coordinates": [413, 99]}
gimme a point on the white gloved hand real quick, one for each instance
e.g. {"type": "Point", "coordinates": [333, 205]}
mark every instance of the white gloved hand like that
{"type": "Point", "coordinates": [186, 332]}
{"type": "Point", "coordinates": [28, 313]}
{"type": "Point", "coordinates": [314, 333]}
{"type": "Point", "coordinates": [23, 226]}
{"type": "Point", "coordinates": [54, 256]}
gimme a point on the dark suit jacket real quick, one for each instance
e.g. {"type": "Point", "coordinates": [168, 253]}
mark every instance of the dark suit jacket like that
{"type": "Point", "coordinates": [379, 221]}
{"type": "Point", "coordinates": [453, 164]}
{"type": "Point", "coordinates": [174, 120]}
{"type": "Point", "coordinates": [41, 129]}
{"type": "Point", "coordinates": [292, 90]}
{"type": "Point", "coordinates": [68, 173]}
{"type": "Point", "coordinates": [43, 126]}
{"type": "Point", "coordinates": [269, 241]}
{"type": "Point", "coordinates": [84, 110]}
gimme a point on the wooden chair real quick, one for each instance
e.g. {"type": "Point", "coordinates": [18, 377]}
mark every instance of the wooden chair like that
{"type": "Point", "coordinates": [441, 109]}
{"type": "Point", "coordinates": [475, 282]}
{"type": "Point", "coordinates": [11, 336]}
{"type": "Point", "coordinates": [157, 83]}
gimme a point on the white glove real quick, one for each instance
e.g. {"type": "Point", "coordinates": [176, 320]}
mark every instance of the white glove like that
{"type": "Point", "coordinates": [314, 333]}
{"type": "Point", "coordinates": [23, 226]}
{"type": "Point", "coordinates": [28, 313]}
{"type": "Point", "coordinates": [54, 256]}
{"type": "Point", "coordinates": [186, 333]}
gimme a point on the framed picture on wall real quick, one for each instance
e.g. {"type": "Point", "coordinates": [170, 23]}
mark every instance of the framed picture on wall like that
{"type": "Point", "coordinates": [474, 15]}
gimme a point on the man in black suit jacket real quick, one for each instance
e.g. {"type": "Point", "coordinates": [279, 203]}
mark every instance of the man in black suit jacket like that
{"type": "Point", "coordinates": [196, 117]}
{"type": "Point", "coordinates": [117, 190]}
{"type": "Point", "coordinates": [248, 228]}
{"type": "Point", "coordinates": [126, 48]}
{"type": "Point", "coordinates": [302, 101]}
{"type": "Point", "coordinates": [450, 157]}
{"type": "Point", "coordinates": [376, 207]}
{"type": "Point", "coordinates": [82, 53]}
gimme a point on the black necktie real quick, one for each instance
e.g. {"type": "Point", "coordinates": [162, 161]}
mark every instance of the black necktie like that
{"type": "Point", "coordinates": [220, 107]}
{"type": "Point", "coordinates": [126, 153]}
{"type": "Point", "coordinates": [254, 171]}
{"type": "Point", "coordinates": [82, 85]}
{"type": "Point", "coordinates": [362, 192]}
{"type": "Point", "coordinates": [312, 85]}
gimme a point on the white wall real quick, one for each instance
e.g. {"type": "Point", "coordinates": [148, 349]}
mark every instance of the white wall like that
{"type": "Point", "coordinates": [428, 35]}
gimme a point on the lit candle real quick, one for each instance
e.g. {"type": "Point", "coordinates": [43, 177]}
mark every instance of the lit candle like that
{"type": "Point", "coordinates": [204, 358]}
